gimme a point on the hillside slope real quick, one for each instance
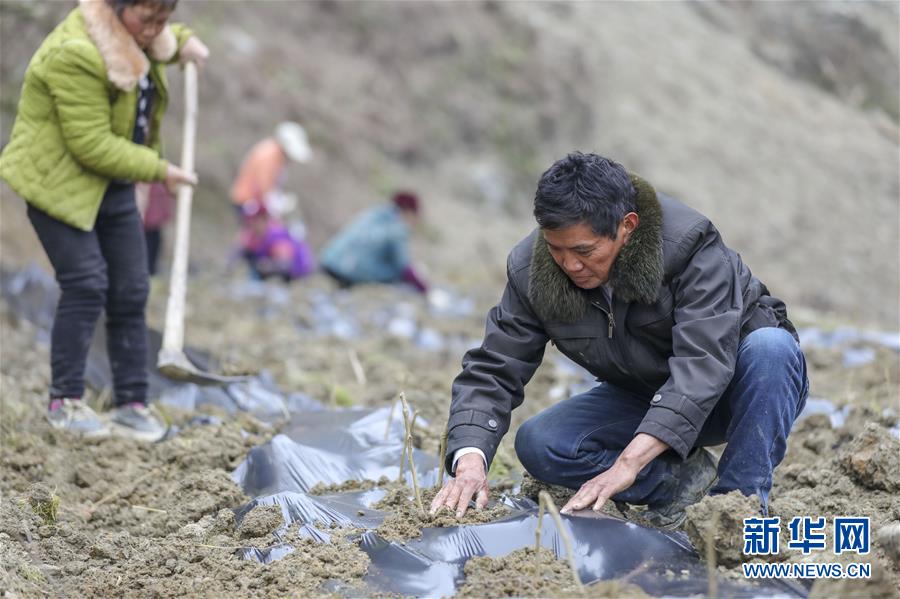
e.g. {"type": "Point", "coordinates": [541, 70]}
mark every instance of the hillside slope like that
{"type": "Point", "coordinates": [469, 102]}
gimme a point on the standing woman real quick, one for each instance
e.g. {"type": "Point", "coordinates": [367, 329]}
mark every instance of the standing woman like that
{"type": "Point", "coordinates": [87, 129]}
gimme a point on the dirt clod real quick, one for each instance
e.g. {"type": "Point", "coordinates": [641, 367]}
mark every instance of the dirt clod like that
{"type": "Point", "coordinates": [888, 539]}
{"type": "Point", "coordinates": [261, 521]}
{"type": "Point", "coordinates": [523, 573]}
{"type": "Point", "coordinates": [726, 513]}
{"type": "Point", "coordinates": [873, 459]}
{"type": "Point", "coordinates": [44, 502]}
{"type": "Point", "coordinates": [406, 521]}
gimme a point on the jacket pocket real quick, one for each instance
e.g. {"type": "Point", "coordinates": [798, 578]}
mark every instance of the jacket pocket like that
{"type": "Point", "coordinates": [642, 315]}
{"type": "Point", "coordinates": [47, 149]}
{"type": "Point", "coordinates": [578, 341]}
{"type": "Point", "coordinates": [63, 169]}
{"type": "Point", "coordinates": [654, 321]}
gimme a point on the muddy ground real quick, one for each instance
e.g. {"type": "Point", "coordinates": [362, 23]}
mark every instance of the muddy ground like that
{"type": "Point", "coordinates": [104, 517]}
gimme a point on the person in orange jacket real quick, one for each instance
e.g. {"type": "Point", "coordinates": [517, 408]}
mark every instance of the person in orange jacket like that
{"type": "Point", "coordinates": [261, 176]}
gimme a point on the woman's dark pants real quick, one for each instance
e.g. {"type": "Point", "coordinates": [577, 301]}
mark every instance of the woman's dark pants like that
{"type": "Point", "coordinates": [105, 268]}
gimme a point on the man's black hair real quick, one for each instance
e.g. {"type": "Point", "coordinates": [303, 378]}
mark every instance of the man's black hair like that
{"type": "Point", "coordinates": [584, 188]}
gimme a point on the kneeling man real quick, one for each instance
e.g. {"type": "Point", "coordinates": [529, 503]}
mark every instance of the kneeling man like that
{"type": "Point", "coordinates": [688, 346]}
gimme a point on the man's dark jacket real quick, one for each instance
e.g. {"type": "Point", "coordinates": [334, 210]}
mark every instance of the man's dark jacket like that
{"type": "Point", "coordinates": [682, 301]}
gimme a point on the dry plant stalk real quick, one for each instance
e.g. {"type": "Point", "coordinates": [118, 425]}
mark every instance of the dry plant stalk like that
{"type": "Point", "coordinates": [547, 502]}
{"type": "Point", "coordinates": [713, 590]}
{"type": "Point", "coordinates": [412, 468]}
{"type": "Point", "coordinates": [189, 544]}
{"type": "Point", "coordinates": [402, 454]}
{"type": "Point", "coordinates": [407, 422]}
{"type": "Point", "coordinates": [390, 419]}
{"type": "Point", "coordinates": [357, 367]}
{"type": "Point", "coordinates": [537, 534]}
{"type": "Point", "coordinates": [442, 453]}
{"type": "Point", "coordinates": [412, 423]}
{"type": "Point", "coordinates": [148, 508]}
{"type": "Point", "coordinates": [118, 491]}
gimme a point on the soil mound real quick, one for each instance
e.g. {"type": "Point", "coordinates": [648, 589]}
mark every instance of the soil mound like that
{"type": "Point", "coordinates": [719, 519]}
{"type": "Point", "coordinates": [523, 573]}
{"type": "Point", "coordinates": [873, 459]}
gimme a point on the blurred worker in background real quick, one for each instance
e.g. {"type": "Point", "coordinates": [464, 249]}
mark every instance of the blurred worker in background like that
{"type": "Point", "coordinates": [155, 205]}
{"type": "Point", "coordinates": [374, 248]}
{"type": "Point", "coordinates": [87, 128]}
{"type": "Point", "coordinates": [262, 174]}
{"type": "Point", "coordinates": [270, 249]}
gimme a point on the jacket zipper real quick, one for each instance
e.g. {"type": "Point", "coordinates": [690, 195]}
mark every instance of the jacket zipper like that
{"type": "Point", "coordinates": [611, 321]}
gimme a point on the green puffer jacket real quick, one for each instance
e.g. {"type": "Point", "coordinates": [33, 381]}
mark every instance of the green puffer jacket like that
{"type": "Point", "coordinates": [77, 111]}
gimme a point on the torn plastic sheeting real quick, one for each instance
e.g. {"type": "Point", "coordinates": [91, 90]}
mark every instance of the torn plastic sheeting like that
{"type": "Point", "coordinates": [406, 571]}
{"type": "Point", "coordinates": [285, 465]}
{"type": "Point", "coordinates": [605, 548]}
{"type": "Point", "coordinates": [328, 510]}
{"type": "Point", "coordinates": [331, 447]}
{"type": "Point", "coordinates": [518, 503]}
{"type": "Point", "coordinates": [349, 429]}
{"type": "Point", "coordinates": [357, 506]}
{"type": "Point", "coordinates": [267, 555]}
{"type": "Point", "coordinates": [301, 402]}
{"type": "Point", "coordinates": [259, 397]}
{"type": "Point", "coordinates": [203, 420]}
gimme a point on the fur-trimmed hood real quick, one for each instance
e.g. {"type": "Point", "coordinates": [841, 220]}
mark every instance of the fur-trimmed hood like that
{"type": "Point", "coordinates": [636, 274]}
{"type": "Point", "coordinates": [125, 62]}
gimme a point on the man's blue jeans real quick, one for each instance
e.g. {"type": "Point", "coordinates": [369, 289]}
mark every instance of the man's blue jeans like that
{"type": "Point", "coordinates": [577, 439]}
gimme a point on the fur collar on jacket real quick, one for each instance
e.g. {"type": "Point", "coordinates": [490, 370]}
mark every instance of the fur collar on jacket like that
{"type": "Point", "coordinates": [636, 274]}
{"type": "Point", "coordinates": [125, 62]}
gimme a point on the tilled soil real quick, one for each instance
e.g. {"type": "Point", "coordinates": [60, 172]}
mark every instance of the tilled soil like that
{"type": "Point", "coordinates": [93, 518]}
{"type": "Point", "coordinates": [828, 472]}
{"type": "Point", "coordinates": [406, 520]}
{"type": "Point", "coordinates": [524, 573]}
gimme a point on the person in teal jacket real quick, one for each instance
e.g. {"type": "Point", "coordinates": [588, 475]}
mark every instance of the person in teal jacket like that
{"type": "Point", "coordinates": [374, 247]}
{"type": "Point", "coordinates": [87, 128]}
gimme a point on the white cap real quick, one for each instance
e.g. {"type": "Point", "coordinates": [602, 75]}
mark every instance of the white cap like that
{"type": "Point", "coordinates": [293, 140]}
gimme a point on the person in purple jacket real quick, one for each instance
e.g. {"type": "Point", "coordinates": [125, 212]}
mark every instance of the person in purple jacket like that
{"type": "Point", "coordinates": [269, 247]}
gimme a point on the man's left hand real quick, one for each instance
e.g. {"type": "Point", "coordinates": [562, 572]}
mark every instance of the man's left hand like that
{"type": "Point", "coordinates": [637, 454]}
{"type": "Point", "coordinates": [596, 491]}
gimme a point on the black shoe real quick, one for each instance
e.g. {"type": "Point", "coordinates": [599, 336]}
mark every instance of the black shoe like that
{"type": "Point", "coordinates": [696, 476]}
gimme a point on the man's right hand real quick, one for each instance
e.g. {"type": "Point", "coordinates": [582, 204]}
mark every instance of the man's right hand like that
{"type": "Point", "coordinates": [470, 480]}
{"type": "Point", "coordinates": [175, 177]}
